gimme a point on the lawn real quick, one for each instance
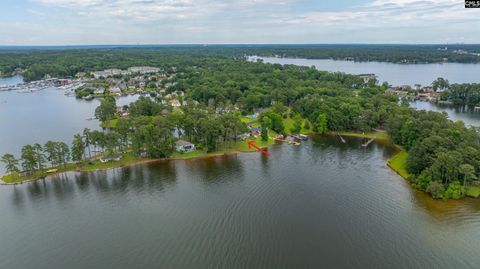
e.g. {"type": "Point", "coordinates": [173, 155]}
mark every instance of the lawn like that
{"type": "Point", "coordinates": [127, 159]}
{"type": "Point", "coordinates": [240, 146]}
{"type": "Point", "coordinates": [111, 124]}
{"type": "Point", "coordinates": [17, 178]}
{"type": "Point", "coordinates": [375, 135]}
{"type": "Point", "coordinates": [248, 120]}
{"type": "Point", "coordinates": [288, 124]}
{"type": "Point", "coordinates": [473, 191]}
{"type": "Point", "coordinates": [399, 162]}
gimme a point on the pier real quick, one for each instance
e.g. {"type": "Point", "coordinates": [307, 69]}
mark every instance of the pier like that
{"type": "Point", "coordinates": [368, 143]}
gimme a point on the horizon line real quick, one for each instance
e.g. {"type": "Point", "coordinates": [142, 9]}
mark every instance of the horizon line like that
{"type": "Point", "coordinates": [229, 44]}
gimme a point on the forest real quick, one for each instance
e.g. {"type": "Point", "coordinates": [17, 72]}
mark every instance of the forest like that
{"type": "Point", "coordinates": [36, 62]}
{"type": "Point", "coordinates": [443, 160]}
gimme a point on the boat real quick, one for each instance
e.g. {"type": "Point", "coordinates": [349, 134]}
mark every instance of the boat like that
{"type": "Point", "coordinates": [303, 137]}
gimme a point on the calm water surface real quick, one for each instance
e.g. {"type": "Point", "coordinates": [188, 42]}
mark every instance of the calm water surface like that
{"type": "Point", "coordinates": [395, 74]}
{"type": "Point", "coordinates": [455, 114]}
{"type": "Point", "coordinates": [323, 204]}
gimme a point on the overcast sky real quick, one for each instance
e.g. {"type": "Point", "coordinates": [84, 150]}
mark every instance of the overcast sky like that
{"type": "Point", "coordinates": [78, 22]}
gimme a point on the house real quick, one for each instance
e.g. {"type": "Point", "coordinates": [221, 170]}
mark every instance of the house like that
{"type": "Point", "coordinates": [123, 87]}
{"type": "Point", "coordinates": [104, 159]}
{"type": "Point", "coordinates": [175, 103]}
{"type": "Point", "coordinates": [256, 130]}
{"type": "Point", "coordinates": [184, 146]}
{"type": "Point", "coordinates": [115, 89]}
{"type": "Point", "coordinates": [99, 90]}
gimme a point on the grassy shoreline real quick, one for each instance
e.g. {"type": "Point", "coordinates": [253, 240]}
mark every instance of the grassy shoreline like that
{"type": "Point", "coordinates": [397, 162]}
{"type": "Point", "coordinates": [130, 160]}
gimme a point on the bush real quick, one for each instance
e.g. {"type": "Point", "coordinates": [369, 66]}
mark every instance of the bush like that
{"type": "Point", "coordinates": [436, 189]}
{"type": "Point", "coordinates": [306, 125]}
{"type": "Point", "coordinates": [422, 181]}
{"type": "Point", "coordinates": [454, 191]}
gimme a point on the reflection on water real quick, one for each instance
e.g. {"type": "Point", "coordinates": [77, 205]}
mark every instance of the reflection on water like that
{"type": "Point", "coordinates": [395, 74]}
{"type": "Point", "coordinates": [455, 114]}
{"type": "Point", "coordinates": [324, 204]}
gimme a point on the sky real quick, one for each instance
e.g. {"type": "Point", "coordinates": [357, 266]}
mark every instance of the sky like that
{"type": "Point", "coordinates": [95, 22]}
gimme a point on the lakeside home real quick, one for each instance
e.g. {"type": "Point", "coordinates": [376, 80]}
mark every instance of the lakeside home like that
{"type": "Point", "coordinates": [184, 146]}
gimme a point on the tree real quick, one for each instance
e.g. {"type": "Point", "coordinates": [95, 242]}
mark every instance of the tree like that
{"type": "Point", "coordinates": [436, 189]}
{"type": "Point", "coordinates": [28, 157]}
{"type": "Point", "coordinates": [306, 126]}
{"type": "Point", "coordinates": [468, 173]}
{"type": "Point", "coordinates": [266, 122]}
{"type": "Point", "coordinates": [39, 156]}
{"type": "Point", "coordinates": [63, 153]}
{"type": "Point", "coordinates": [51, 150]}
{"type": "Point", "coordinates": [87, 141]}
{"type": "Point", "coordinates": [11, 164]}
{"type": "Point", "coordinates": [297, 124]}
{"type": "Point", "coordinates": [106, 110]}
{"type": "Point", "coordinates": [78, 148]}
{"type": "Point", "coordinates": [321, 124]}
{"type": "Point", "coordinates": [440, 84]}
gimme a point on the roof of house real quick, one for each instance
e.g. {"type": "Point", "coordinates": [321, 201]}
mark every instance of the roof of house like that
{"type": "Point", "coordinates": [181, 143]}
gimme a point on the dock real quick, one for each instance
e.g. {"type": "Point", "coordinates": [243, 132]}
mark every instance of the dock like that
{"type": "Point", "coordinates": [368, 143]}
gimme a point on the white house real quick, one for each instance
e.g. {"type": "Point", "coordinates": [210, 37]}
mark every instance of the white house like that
{"type": "Point", "coordinates": [184, 146]}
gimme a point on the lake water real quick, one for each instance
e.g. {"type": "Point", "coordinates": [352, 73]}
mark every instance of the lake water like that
{"type": "Point", "coordinates": [27, 118]}
{"type": "Point", "coordinates": [8, 81]}
{"type": "Point", "coordinates": [394, 74]}
{"type": "Point", "coordinates": [468, 117]}
{"type": "Point", "coordinates": [323, 204]}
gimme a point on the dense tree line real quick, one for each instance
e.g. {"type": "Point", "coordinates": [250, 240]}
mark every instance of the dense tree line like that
{"type": "Point", "coordinates": [465, 95]}
{"type": "Point", "coordinates": [66, 62]}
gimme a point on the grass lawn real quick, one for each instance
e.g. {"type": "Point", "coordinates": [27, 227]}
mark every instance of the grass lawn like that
{"type": "Point", "coordinates": [111, 124]}
{"type": "Point", "coordinates": [473, 191]}
{"type": "Point", "coordinates": [248, 120]}
{"type": "Point", "coordinates": [398, 163]}
{"type": "Point", "coordinates": [288, 124]}
{"type": "Point", "coordinates": [97, 165]}
{"type": "Point", "coordinates": [240, 146]}
{"type": "Point", "coordinates": [374, 135]}
{"type": "Point", "coordinates": [16, 178]}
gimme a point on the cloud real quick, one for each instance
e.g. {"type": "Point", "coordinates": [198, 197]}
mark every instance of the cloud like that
{"type": "Point", "coordinates": [248, 21]}
{"type": "Point", "coordinates": [405, 13]}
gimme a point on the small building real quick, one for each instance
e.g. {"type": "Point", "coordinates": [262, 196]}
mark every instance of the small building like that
{"type": "Point", "coordinates": [104, 159]}
{"type": "Point", "coordinates": [184, 146]}
{"type": "Point", "coordinates": [99, 90]}
{"type": "Point", "coordinates": [115, 89]}
{"type": "Point", "coordinates": [175, 103]}
{"type": "Point", "coordinates": [256, 130]}
{"type": "Point", "coordinates": [117, 157]}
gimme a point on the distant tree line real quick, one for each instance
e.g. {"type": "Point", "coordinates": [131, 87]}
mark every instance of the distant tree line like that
{"type": "Point", "coordinates": [38, 62]}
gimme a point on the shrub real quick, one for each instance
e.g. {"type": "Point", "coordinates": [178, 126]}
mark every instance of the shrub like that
{"type": "Point", "coordinates": [455, 190]}
{"type": "Point", "coordinates": [436, 189]}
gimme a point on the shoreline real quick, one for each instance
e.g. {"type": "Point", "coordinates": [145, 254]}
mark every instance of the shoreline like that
{"type": "Point", "coordinates": [396, 162]}
{"type": "Point", "coordinates": [129, 164]}
{"type": "Point", "coordinates": [377, 135]}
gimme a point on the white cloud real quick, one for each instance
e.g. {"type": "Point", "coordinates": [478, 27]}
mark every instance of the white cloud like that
{"type": "Point", "coordinates": [247, 21]}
